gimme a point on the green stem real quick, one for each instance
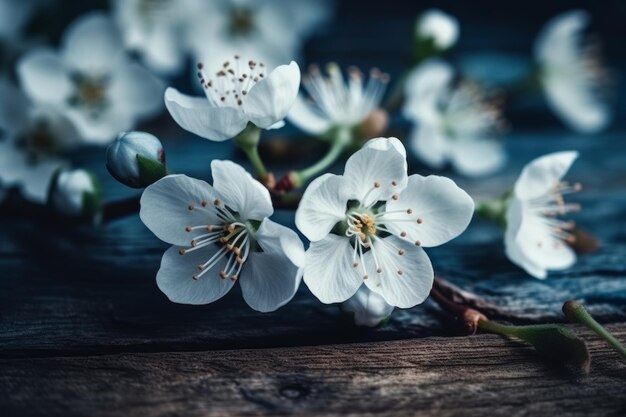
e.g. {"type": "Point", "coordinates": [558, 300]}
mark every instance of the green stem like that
{"type": "Point", "coordinates": [493, 327]}
{"type": "Point", "coordinates": [576, 312]}
{"type": "Point", "coordinates": [255, 159]}
{"type": "Point", "coordinates": [339, 143]}
{"type": "Point", "coordinates": [494, 210]}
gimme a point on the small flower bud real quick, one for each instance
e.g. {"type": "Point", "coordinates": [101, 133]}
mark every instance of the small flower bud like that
{"type": "Point", "coordinates": [136, 159]}
{"type": "Point", "coordinates": [435, 31]}
{"type": "Point", "coordinates": [75, 193]}
{"type": "Point", "coordinates": [373, 125]}
{"type": "Point", "coordinates": [369, 308]}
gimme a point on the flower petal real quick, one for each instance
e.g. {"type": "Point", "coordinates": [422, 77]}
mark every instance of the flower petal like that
{"type": "Point", "coordinates": [475, 158]}
{"type": "Point", "coordinates": [541, 174]}
{"type": "Point", "coordinates": [369, 308]}
{"type": "Point", "coordinates": [408, 288]}
{"type": "Point", "coordinates": [240, 191]}
{"type": "Point", "coordinates": [269, 280]}
{"type": "Point", "coordinates": [373, 174]}
{"type": "Point", "coordinates": [175, 276]}
{"type": "Point", "coordinates": [425, 86]}
{"type": "Point", "coordinates": [92, 44]}
{"type": "Point", "coordinates": [100, 128]}
{"type": "Point", "coordinates": [321, 207]}
{"type": "Point", "coordinates": [165, 208]}
{"type": "Point", "coordinates": [270, 99]}
{"type": "Point", "coordinates": [135, 90]}
{"type": "Point", "coordinates": [303, 114]}
{"type": "Point", "coordinates": [328, 270]}
{"type": "Point", "coordinates": [385, 144]}
{"type": "Point", "coordinates": [14, 107]}
{"type": "Point", "coordinates": [43, 77]}
{"type": "Point", "coordinates": [276, 238]}
{"type": "Point", "coordinates": [430, 209]}
{"type": "Point", "coordinates": [430, 145]}
{"type": "Point", "coordinates": [198, 116]}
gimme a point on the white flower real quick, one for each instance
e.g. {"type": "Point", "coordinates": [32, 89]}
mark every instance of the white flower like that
{"type": "Point", "coordinates": [158, 30]}
{"type": "Point", "coordinates": [91, 80]}
{"type": "Point", "coordinates": [535, 239]}
{"type": "Point", "coordinates": [439, 26]}
{"type": "Point", "coordinates": [237, 93]}
{"type": "Point", "coordinates": [35, 137]}
{"type": "Point", "coordinates": [335, 102]}
{"type": "Point", "coordinates": [571, 73]}
{"type": "Point", "coordinates": [270, 30]}
{"type": "Point", "coordinates": [453, 124]}
{"type": "Point", "coordinates": [369, 226]}
{"type": "Point", "coordinates": [123, 157]}
{"type": "Point", "coordinates": [75, 193]}
{"type": "Point", "coordinates": [222, 234]}
{"type": "Point", "coordinates": [368, 307]}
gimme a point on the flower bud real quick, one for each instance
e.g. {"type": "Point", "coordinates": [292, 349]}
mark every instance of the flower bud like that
{"type": "Point", "coordinates": [136, 159]}
{"type": "Point", "coordinates": [373, 125]}
{"type": "Point", "coordinates": [369, 308]}
{"type": "Point", "coordinates": [75, 193]}
{"type": "Point", "coordinates": [435, 31]}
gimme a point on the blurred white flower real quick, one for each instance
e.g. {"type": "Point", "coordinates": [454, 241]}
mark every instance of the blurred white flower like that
{"type": "Point", "coordinates": [369, 308]}
{"type": "Point", "coordinates": [158, 30]}
{"type": "Point", "coordinates": [222, 234]}
{"type": "Point", "coordinates": [571, 73]}
{"type": "Point", "coordinates": [455, 124]}
{"type": "Point", "coordinates": [35, 137]}
{"type": "Point", "coordinates": [237, 93]}
{"type": "Point", "coordinates": [91, 80]}
{"type": "Point", "coordinates": [369, 226]}
{"type": "Point", "coordinates": [535, 239]}
{"type": "Point", "coordinates": [335, 102]}
{"type": "Point", "coordinates": [439, 27]}
{"type": "Point", "coordinates": [271, 30]}
{"type": "Point", "coordinates": [75, 193]}
{"type": "Point", "coordinates": [124, 154]}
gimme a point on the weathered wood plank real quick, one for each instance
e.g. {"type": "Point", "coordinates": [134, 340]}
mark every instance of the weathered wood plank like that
{"type": "Point", "coordinates": [478, 375]}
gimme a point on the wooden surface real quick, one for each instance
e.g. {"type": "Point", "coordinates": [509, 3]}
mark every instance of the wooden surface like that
{"type": "Point", "coordinates": [85, 331]}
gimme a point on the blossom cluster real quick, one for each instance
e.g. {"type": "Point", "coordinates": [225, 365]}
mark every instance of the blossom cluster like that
{"type": "Point", "coordinates": [366, 229]}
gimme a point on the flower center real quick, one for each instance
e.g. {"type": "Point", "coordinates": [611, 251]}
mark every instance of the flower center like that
{"type": "Point", "coordinates": [38, 139]}
{"type": "Point", "coordinates": [347, 103]}
{"type": "Point", "coordinates": [233, 236]}
{"type": "Point", "coordinates": [231, 83]}
{"type": "Point", "coordinates": [241, 21]}
{"type": "Point", "coordinates": [90, 92]}
{"type": "Point", "coordinates": [552, 204]}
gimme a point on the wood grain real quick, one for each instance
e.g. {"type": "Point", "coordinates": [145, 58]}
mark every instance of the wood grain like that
{"type": "Point", "coordinates": [478, 375]}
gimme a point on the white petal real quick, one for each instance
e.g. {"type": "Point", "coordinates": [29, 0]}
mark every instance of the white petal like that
{"type": "Point", "coordinates": [198, 116]}
{"type": "Point", "coordinates": [443, 209]}
{"type": "Point", "coordinates": [537, 243]}
{"type": "Point", "coordinates": [369, 308]}
{"type": "Point", "coordinates": [512, 248]}
{"type": "Point", "coordinates": [557, 43]}
{"type": "Point", "coordinates": [541, 174]}
{"type": "Point", "coordinates": [441, 27]}
{"type": "Point", "coordinates": [276, 238]}
{"type": "Point", "coordinates": [385, 144]}
{"type": "Point", "coordinates": [165, 208]}
{"type": "Point", "coordinates": [240, 191]}
{"type": "Point", "coordinates": [303, 114]}
{"type": "Point", "coordinates": [321, 207]}
{"type": "Point", "coordinates": [369, 166]}
{"type": "Point", "coordinates": [425, 86]}
{"type": "Point", "coordinates": [270, 99]}
{"type": "Point", "coordinates": [175, 276]}
{"type": "Point", "coordinates": [269, 281]}
{"type": "Point", "coordinates": [475, 158]}
{"type": "Point", "coordinates": [102, 127]}
{"type": "Point", "coordinates": [43, 76]}
{"type": "Point", "coordinates": [92, 44]}
{"type": "Point", "coordinates": [577, 103]}
{"type": "Point", "coordinates": [328, 270]}
{"type": "Point", "coordinates": [430, 145]}
{"type": "Point", "coordinates": [135, 90]}
{"type": "Point", "coordinates": [404, 290]}
{"type": "Point", "coordinates": [35, 183]}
